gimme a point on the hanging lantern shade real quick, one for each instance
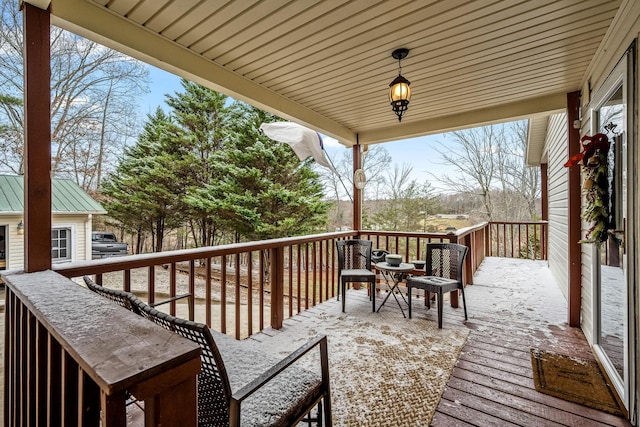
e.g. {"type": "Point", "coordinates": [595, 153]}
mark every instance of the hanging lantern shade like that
{"type": "Point", "coordinates": [399, 95]}
{"type": "Point", "coordinates": [399, 88]}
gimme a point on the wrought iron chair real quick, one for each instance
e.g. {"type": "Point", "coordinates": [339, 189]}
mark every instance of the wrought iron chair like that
{"type": "Point", "coordinates": [253, 388]}
{"type": "Point", "coordinates": [443, 273]}
{"type": "Point", "coordinates": [354, 265]}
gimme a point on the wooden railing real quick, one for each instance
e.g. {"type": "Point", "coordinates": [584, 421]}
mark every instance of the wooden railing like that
{"type": "Point", "coordinates": [527, 240]}
{"type": "Point", "coordinates": [243, 288]}
{"type": "Point", "coordinates": [251, 285]}
{"type": "Point", "coordinates": [53, 359]}
{"type": "Point", "coordinates": [411, 246]}
{"type": "Point", "coordinates": [71, 360]}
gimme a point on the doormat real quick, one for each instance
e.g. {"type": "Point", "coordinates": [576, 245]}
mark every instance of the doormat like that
{"type": "Point", "coordinates": [573, 379]}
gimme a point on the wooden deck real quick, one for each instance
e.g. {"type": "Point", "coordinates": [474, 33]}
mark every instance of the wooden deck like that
{"type": "Point", "coordinates": [513, 306]}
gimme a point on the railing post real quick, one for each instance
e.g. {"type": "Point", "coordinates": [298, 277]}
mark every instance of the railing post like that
{"type": "Point", "coordinates": [276, 270]}
{"type": "Point", "coordinates": [487, 241]}
{"type": "Point", "coordinates": [545, 236]}
{"type": "Point", "coordinates": [485, 237]}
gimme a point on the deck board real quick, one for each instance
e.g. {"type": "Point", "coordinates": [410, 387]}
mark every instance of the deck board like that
{"type": "Point", "coordinates": [492, 383]}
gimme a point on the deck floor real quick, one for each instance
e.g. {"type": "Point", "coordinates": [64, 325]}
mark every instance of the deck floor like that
{"type": "Point", "coordinates": [514, 305]}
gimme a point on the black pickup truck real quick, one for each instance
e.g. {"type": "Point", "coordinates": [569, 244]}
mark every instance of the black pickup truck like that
{"type": "Point", "coordinates": [104, 245]}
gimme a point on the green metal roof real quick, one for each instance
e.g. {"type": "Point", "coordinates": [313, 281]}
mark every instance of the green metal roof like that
{"type": "Point", "coordinates": [66, 197]}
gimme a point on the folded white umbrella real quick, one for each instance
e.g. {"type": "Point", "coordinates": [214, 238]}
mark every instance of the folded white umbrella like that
{"type": "Point", "coordinates": [304, 141]}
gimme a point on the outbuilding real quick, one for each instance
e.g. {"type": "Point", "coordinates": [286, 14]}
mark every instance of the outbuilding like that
{"type": "Point", "coordinates": [72, 211]}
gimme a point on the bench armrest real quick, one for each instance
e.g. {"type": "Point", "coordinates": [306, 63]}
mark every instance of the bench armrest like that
{"type": "Point", "coordinates": [176, 298]}
{"type": "Point", "coordinates": [253, 386]}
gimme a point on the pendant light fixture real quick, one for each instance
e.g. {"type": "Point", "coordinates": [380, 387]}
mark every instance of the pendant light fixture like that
{"type": "Point", "coordinates": [399, 90]}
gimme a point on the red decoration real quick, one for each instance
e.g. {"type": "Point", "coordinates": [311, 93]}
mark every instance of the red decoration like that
{"type": "Point", "coordinates": [590, 145]}
{"type": "Point", "coordinates": [595, 187]}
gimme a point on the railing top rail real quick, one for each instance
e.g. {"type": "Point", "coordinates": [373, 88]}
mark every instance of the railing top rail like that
{"type": "Point", "coordinates": [406, 234]}
{"type": "Point", "coordinates": [432, 235]}
{"type": "Point", "coordinates": [157, 258]}
{"type": "Point", "coordinates": [137, 350]}
{"type": "Point", "coordinates": [520, 222]}
{"type": "Point", "coordinates": [467, 230]}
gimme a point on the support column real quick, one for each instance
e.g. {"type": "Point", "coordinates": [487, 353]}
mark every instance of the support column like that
{"type": "Point", "coordinates": [276, 259]}
{"type": "Point", "coordinates": [37, 139]}
{"type": "Point", "coordinates": [544, 186]}
{"type": "Point", "coordinates": [574, 198]}
{"type": "Point", "coordinates": [357, 193]}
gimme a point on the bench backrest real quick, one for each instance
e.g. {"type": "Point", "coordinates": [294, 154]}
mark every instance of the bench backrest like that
{"type": "Point", "coordinates": [122, 298]}
{"type": "Point", "coordinates": [214, 389]}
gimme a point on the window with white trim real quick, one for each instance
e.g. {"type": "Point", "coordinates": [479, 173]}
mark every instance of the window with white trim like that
{"type": "Point", "coordinates": [60, 244]}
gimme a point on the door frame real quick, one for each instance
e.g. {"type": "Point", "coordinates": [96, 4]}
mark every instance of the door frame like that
{"type": "Point", "coordinates": [622, 74]}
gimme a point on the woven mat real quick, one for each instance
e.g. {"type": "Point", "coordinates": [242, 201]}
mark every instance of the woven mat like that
{"type": "Point", "coordinates": [385, 370]}
{"type": "Point", "coordinates": [573, 379]}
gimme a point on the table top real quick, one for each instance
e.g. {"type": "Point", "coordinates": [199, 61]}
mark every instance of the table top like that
{"type": "Point", "coordinates": [403, 267]}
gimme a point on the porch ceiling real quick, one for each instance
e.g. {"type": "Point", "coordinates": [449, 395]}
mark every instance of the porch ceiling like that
{"type": "Point", "coordinates": [327, 64]}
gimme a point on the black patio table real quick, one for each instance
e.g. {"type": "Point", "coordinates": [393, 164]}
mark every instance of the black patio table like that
{"type": "Point", "coordinates": [394, 274]}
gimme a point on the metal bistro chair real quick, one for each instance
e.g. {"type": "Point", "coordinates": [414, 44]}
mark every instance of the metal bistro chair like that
{"type": "Point", "coordinates": [443, 273]}
{"type": "Point", "coordinates": [354, 265]}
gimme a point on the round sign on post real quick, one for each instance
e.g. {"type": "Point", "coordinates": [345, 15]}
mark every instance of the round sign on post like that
{"type": "Point", "coordinates": [359, 179]}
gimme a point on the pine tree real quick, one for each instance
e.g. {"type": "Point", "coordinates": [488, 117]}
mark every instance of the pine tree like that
{"type": "Point", "coordinates": [206, 165]}
{"type": "Point", "coordinates": [204, 117]}
{"type": "Point", "coordinates": [264, 191]}
{"type": "Point", "coordinates": [146, 190]}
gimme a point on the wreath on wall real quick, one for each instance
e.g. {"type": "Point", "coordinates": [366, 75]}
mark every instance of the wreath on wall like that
{"type": "Point", "coordinates": [595, 168]}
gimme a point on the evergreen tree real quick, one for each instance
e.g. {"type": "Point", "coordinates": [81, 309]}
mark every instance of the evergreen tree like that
{"type": "Point", "coordinates": [146, 190]}
{"type": "Point", "coordinates": [208, 166]}
{"type": "Point", "coordinates": [204, 118]}
{"type": "Point", "coordinates": [264, 191]}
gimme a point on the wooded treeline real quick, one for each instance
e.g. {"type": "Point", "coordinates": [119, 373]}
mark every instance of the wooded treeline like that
{"type": "Point", "coordinates": [94, 94]}
{"type": "Point", "coordinates": [486, 179]}
{"type": "Point", "coordinates": [204, 169]}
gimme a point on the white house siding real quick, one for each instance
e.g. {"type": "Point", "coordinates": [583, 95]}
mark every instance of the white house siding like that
{"type": "Point", "coordinates": [556, 150]}
{"type": "Point", "coordinates": [624, 29]}
{"type": "Point", "coordinates": [15, 241]}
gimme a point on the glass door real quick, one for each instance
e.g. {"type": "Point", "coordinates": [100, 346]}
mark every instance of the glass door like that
{"type": "Point", "coordinates": [612, 291]}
